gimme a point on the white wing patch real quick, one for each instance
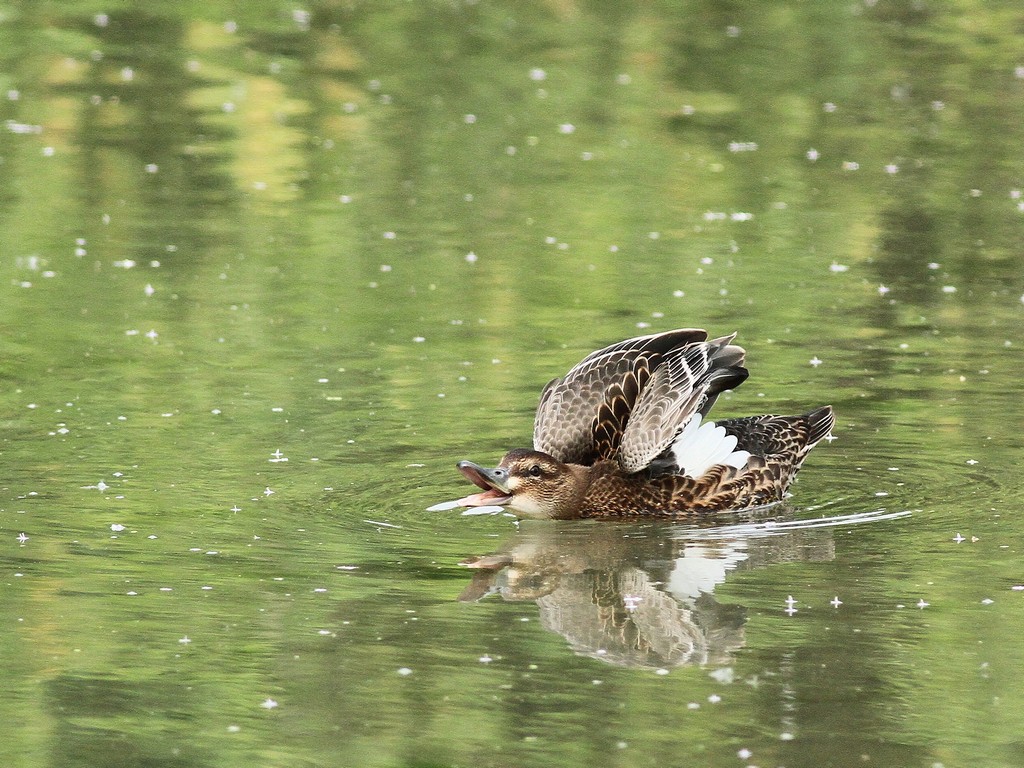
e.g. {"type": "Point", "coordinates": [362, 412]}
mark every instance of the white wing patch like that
{"type": "Point", "coordinates": [701, 446]}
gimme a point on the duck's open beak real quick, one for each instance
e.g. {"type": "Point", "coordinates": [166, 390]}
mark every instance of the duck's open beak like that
{"type": "Point", "coordinates": [493, 481]}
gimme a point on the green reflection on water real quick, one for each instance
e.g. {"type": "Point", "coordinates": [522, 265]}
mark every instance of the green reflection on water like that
{"type": "Point", "coordinates": [234, 236]}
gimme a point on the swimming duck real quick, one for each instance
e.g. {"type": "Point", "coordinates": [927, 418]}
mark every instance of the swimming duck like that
{"type": "Point", "coordinates": [626, 433]}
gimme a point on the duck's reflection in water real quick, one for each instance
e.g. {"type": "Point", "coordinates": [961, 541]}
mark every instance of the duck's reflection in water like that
{"type": "Point", "coordinates": [641, 594]}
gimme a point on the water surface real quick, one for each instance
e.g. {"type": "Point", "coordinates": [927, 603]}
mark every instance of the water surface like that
{"type": "Point", "coordinates": [267, 273]}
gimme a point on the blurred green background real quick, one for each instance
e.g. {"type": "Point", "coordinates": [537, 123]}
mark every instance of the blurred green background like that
{"type": "Point", "coordinates": [268, 270]}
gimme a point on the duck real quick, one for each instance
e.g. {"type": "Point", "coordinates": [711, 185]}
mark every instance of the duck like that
{"type": "Point", "coordinates": [626, 433]}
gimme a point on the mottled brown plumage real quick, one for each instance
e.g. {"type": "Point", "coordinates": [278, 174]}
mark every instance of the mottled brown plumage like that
{"type": "Point", "coordinates": [622, 434]}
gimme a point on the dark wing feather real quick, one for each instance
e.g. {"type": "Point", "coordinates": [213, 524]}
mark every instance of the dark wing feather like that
{"type": "Point", "coordinates": [687, 381]}
{"type": "Point", "coordinates": [787, 438]}
{"type": "Point", "coordinates": [581, 416]}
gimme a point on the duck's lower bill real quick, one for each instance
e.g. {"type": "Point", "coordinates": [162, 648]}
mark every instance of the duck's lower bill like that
{"type": "Point", "coordinates": [490, 497]}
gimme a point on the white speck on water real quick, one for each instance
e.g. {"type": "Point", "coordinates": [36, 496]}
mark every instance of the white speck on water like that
{"type": "Point", "coordinates": [152, 168]}
{"type": "Point", "coordinates": [812, 154]}
{"type": "Point", "coordinates": [116, 527]}
{"type": "Point", "coordinates": [744, 754]}
{"type": "Point", "coordinates": [972, 462]}
{"type": "Point", "coordinates": [851, 165]}
{"type": "Point", "coordinates": [382, 525]}
{"type": "Point", "coordinates": [742, 146]}
{"type": "Point", "coordinates": [469, 119]}
{"type": "Point", "coordinates": [404, 671]}
{"type": "Point", "coordinates": [22, 538]}
{"type": "Point", "coordinates": [922, 604]}
{"type": "Point", "coordinates": [268, 704]}
{"type": "Point", "coordinates": [485, 659]}
{"type": "Point", "coordinates": [654, 235]}
{"type": "Point", "coordinates": [714, 698]}
{"type": "Point", "coordinates": [815, 362]}
{"type": "Point", "coordinates": [185, 640]}
{"type": "Point", "coordinates": [786, 736]}
{"type": "Point", "coordinates": [958, 538]}
{"type": "Point", "coordinates": [724, 675]}
{"type": "Point", "coordinates": [471, 258]}
{"type": "Point", "coordinates": [661, 671]}
{"type": "Point", "coordinates": [892, 168]}
{"type": "Point", "coordinates": [131, 594]}
{"type": "Point", "coordinates": [838, 267]}
{"type": "Point", "coordinates": [566, 128]}
{"type": "Point", "coordinates": [882, 290]}
{"type": "Point", "coordinates": [987, 601]}
{"type": "Point", "coordinates": [934, 265]}
{"type": "Point", "coordinates": [267, 491]}
{"type": "Point", "coordinates": [419, 339]}
{"type": "Point", "coordinates": [949, 289]}
{"type": "Point", "coordinates": [829, 107]}
{"type": "Point", "coordinates": [538, 75]}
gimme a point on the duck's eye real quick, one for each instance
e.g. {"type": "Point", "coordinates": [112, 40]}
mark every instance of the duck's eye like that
{"type": "Point", "coordinates": [535, 470]}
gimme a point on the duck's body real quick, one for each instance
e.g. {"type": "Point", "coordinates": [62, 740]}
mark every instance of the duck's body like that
{"type": "Point", "coordinates": [625, 433]}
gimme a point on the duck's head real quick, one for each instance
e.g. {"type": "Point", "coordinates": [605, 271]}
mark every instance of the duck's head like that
{"type": "Point", "coordinates": [528, 483]}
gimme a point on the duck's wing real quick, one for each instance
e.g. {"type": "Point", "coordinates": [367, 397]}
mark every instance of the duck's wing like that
{"type": "Point", "coordinates": [687, 382]}
{"type": "Point", "coordinates": [582, 415]}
